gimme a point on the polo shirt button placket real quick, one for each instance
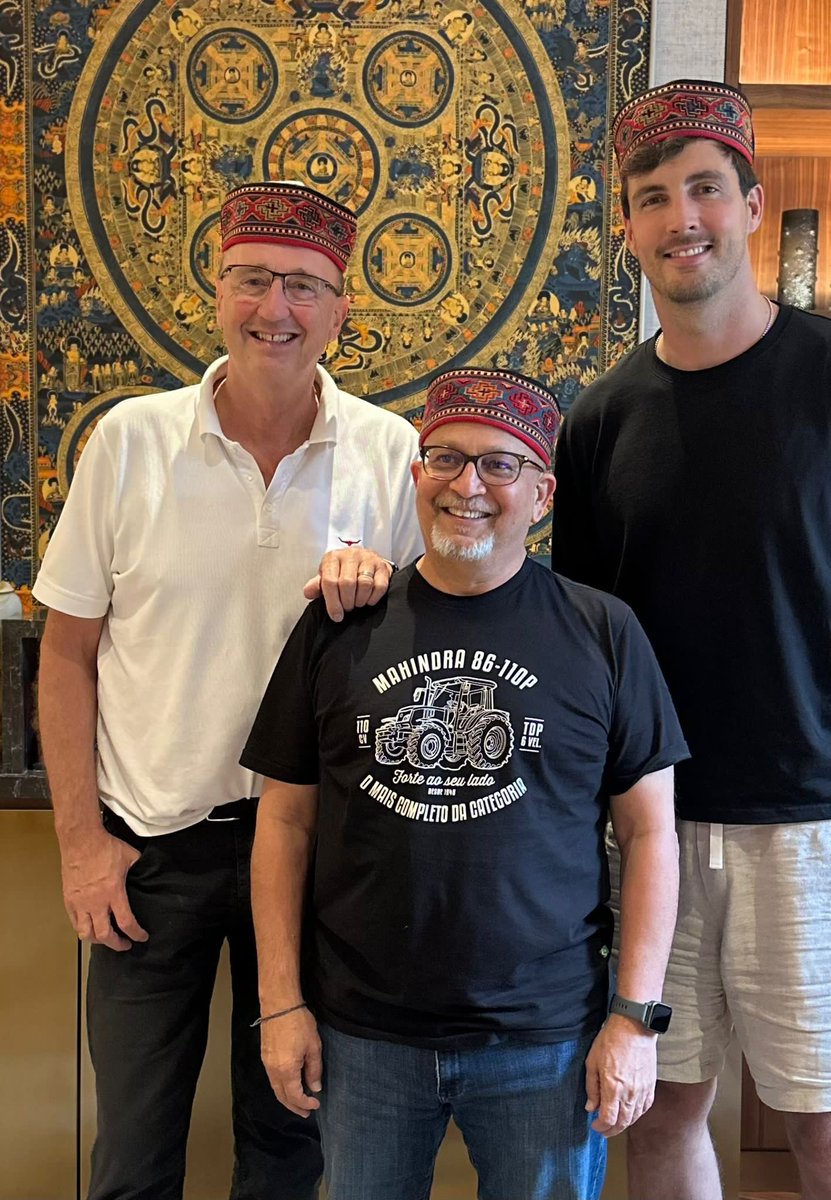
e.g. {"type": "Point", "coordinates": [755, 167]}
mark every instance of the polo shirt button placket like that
{"type": "Point", "coordinates": [269, 525]}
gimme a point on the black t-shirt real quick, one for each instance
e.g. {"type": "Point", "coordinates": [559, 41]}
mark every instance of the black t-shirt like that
{"type": "Point", "coordinates": [703, 499]}
{"type": "Point", "coordinates": [464, 748]}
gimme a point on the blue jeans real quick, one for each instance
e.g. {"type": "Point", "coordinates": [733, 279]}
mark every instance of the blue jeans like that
{"type": "Point", "coordinates": [147, 1012]}
{"type": "Point", "coordinates": [520, 1108]}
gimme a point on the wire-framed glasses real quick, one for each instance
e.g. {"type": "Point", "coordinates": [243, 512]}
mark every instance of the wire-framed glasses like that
{"type": "Point", "coordinates": [254, 283]}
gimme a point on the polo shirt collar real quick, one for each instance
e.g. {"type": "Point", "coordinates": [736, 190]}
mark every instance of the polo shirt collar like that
{"type": "Point", "coordinates": [206, 419]}
{"type": "Point", "coordinates": [324, 427]}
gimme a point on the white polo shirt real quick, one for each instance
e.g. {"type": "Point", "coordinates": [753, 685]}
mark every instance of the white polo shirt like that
{"type": "Point", "coordinates": [170, 532]}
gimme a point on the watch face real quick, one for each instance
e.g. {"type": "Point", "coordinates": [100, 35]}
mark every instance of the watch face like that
{"type": "Point", "coordinates": [660, 1018]}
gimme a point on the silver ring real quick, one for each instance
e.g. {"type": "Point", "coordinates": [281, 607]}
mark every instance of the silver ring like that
{"type": "Point", "coordinates": [366, 574]}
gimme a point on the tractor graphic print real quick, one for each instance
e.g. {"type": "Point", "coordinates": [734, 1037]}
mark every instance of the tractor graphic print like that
{"type": "Point", "coordinates": [451, 721]}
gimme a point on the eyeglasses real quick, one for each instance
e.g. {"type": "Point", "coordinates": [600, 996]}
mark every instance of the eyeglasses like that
{"type": "Point", "coordinates": [496, 467]}
{"type": "Point", "coordinates": [254, 283]}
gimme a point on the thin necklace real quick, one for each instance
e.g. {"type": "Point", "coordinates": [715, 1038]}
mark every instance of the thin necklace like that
{"type": "Point", "coordinates": [771, 315]}
{"type": "Point", "coordinates": [659, 344]}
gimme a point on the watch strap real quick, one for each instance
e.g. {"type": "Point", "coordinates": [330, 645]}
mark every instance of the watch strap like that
{"type": "Point", "coordinates": [635, 1009]}
{"type": "Point", "coordinates": [654, 1015]}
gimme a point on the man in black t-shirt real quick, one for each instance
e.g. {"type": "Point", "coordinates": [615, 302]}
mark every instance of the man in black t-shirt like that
{"type": "Point", "coordinates": [694, 481]}
{"type": "Point", "coordinates": [441, 768]}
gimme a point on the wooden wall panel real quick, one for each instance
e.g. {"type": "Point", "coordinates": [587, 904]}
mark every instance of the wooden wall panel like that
{"type": "Point", "coordinates": [788, 133]}
{"type": "Point", "coordinates": [786, 41]}
{"type": "Point", "coordinates": [38, 1015]}
{"type": "Point", "coordinates": [792, 183]}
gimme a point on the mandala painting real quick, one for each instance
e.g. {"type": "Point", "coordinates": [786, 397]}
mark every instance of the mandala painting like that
{"type": "Point", "coordinates": [470, 139]}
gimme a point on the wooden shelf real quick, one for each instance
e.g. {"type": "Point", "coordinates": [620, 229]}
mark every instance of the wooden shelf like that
{"type": "Point", "coordinates": [782, 95]}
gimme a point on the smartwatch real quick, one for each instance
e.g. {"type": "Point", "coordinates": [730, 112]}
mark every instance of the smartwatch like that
{"type": "Point", "coordinates": [652, 1015]}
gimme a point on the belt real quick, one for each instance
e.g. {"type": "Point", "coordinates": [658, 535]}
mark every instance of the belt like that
{"type": "Point", "coordinates": [235, 810]}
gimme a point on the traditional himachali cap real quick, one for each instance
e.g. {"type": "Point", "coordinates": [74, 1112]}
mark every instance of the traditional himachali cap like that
{"type": "Point", "coordinates": [504, 399]}
{"type": "Point", "coordinates": [685, 108]}
{"type": "Point", "coordinates": [281, 210]}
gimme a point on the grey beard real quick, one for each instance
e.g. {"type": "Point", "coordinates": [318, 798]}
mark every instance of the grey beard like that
{"type": "Point", "coordinates": [448, 547]}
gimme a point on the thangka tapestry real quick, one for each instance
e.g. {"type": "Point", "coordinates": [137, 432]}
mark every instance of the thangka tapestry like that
{"type": "Point", "coordinates": [470, 138]}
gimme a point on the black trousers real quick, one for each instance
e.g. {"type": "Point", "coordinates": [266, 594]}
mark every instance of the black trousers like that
{"type": "Point", "coordinates": [147, 1016]}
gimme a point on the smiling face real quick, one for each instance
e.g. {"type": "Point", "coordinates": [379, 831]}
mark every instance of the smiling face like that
{"type": "Point", "coordinates": [270, 334]}
{"type": "Point", "coordinates": [465, 521]}
{"type": "Point", "coordinates": [688, 223]}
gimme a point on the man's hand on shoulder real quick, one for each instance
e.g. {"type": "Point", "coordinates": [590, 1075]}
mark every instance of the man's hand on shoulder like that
{"type": "Point", "coordinates": [621, 1069]}
{"type": "Point", "coordinates": [291, 1053]}
{"type": "Point", "coordinates": [94, 871]}
{"type": "Point", "coordinates": [349, 579]}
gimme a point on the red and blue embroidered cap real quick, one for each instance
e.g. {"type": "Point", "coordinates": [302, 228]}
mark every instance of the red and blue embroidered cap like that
{"type": "Point", "coordinates": [685, 108]}
{"type": "Point", "coordinates": [504, 399]}
{"type": "Point", "coordinates": [285, 211]}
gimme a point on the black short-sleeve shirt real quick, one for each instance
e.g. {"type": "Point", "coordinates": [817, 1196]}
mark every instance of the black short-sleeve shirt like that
{"type": "Point", "coordinates": [703, 499]}
{"type": "Point", "coordinates": [465, 749]}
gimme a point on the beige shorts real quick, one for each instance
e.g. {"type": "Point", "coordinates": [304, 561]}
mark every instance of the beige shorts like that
{"type": "Point", "coordinates": [752, 950]}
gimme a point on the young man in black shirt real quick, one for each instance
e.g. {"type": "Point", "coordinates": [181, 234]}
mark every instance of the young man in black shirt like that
{"type": "Point", "coordinates": [694, 482]}
{"type": "Point", "coordinates": [442, 768]}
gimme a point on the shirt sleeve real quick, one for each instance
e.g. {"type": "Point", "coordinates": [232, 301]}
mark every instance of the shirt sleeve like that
{"type": "Point", "coordinates": [406, 540]}
{"type": "Point", "coordinates": [283, 742]}
{"type": "Point", "coordinates": [645, 735]}
{"type": "Point", "coordinates": [76, 576]}
{"type": "Point", "coordinates": [575, 551]}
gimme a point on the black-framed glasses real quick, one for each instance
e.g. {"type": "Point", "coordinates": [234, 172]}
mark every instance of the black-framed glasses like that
{"type": "Point", "coordinates": [494, 467]}
{"type": "Point", "coordinates": [254, 283]}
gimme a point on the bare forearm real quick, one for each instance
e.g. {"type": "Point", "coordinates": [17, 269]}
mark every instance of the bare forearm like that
{"type": "Point", "coordinates": [644, 824]}
{"type": "Point", "coordinates": [94, 864]}
{"type": "Point", "coordinates": [621, 1066]}
{"type": "Point", "coordinates": [68, 712]}
{"type": "Point", "coordinates": [648, 908]}
{"type": "Point", "coordinates": [279, 869]}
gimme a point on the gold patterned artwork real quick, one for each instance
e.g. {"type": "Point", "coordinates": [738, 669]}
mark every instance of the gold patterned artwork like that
{"type": "Point", "coordinates": [469, 137]}
{"type": "Point", "coordinates": [448, 137]}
